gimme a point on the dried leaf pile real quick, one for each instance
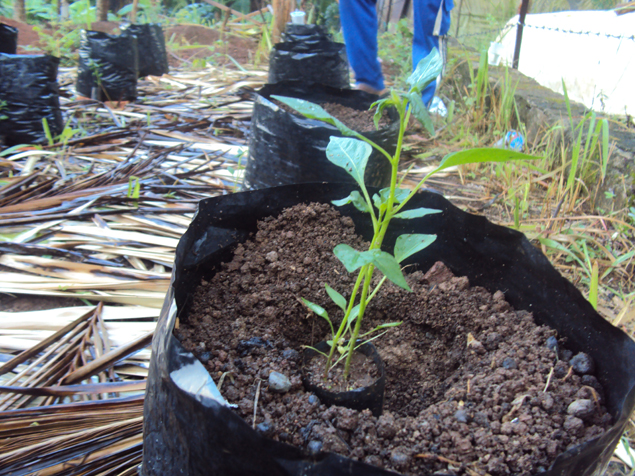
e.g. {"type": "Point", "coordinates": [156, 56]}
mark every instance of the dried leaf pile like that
{"type": "Point", "coordinates": [97, 215]}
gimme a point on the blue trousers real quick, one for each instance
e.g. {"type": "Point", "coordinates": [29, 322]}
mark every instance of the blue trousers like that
{"type": "Point", "coordinates": [359, 25]}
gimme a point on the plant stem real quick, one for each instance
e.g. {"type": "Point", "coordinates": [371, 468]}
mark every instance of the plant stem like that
{"type": "Point", "coordinates": [358, 322]}
{"type": "Point", "coordinates": [378, 238]}
{"type": "Point", "coordinates": [344, 323]}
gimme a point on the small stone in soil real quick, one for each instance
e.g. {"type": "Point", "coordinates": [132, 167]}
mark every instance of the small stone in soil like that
{"type": "Point", "coordinates": [552, 343]}
{"type": "Point", "coordinates": [245, 346]}
{"type": "Point", "coordinates": [314, 447]}
{"type": "Point", "coordinates": [461, 416]}
{"type": "Point", "coordinates": [279, 383]}
{"type": "Point", "coordinates": [582, 363]}
{"type": "Point", "coordinates": [582, 408]}
{"type": "Point", "coordinates": [509, 363]}
{"type": "Point", "coordinates": [291, 354]}
{"type": "Point", "coordinates": [264, 427]}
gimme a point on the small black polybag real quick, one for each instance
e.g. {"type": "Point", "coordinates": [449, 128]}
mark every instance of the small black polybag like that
{"type": "Point", "coordinates": [189, 429]}
{"type": "Point", "coordinates": [8, 39]}
{"type": "Point", "coordinates": [286, 148]}
{"type": "Point", "coordinates": [321, 62]}
{"type": "Point", "coordinates": [369, 397]}
{"type": "Point", "coordinates": [108, 66]}
{"type": "Point", "coordinates": [29, 92]}
{"type": "Point", "coordinates": [153, 58]}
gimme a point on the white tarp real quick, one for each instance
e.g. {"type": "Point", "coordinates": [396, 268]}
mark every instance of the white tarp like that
{"type": "Point", "coordinates": [593, 51]}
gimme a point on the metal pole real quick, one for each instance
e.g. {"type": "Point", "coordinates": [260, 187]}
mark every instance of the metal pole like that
{"type": "Point", "coordinates": [458, 20]}
{"type": "Point", "coordinates": [519, 32]}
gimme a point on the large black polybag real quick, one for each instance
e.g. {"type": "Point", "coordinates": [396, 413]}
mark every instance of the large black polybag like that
{"type": "Point", "coordinates": [153, 58]}
{"type": "Point", "coordinates": [29, 92]}
{"type": "Point", "coordinates": [322, 62]}
{"type": "Point", "coordinates": [188, 428]}
{"type": "Point", "coordinates": [8, 39]}
{"type": "Point", "coordinates": [108, 66]}
{"type": "Point", "coordinates": [286, 148]}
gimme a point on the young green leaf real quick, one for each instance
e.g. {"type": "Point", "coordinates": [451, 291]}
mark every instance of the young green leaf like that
{"type": "Point", "coordinates": [314, 111]}
{"type": "Point", "coordinates": [336, 297]}
{"type": "Point", "coordinates": [316, 308]}
{"type": "Point", "coordinates": [351, 258]}
{"type": "Point", "coordinates": [388, 265]}
{"type": "Point", "coordinates": [380, 105]}
{"type": "Point", "coordinates": [354, 313]}
{"type": "Point", "coordinates": [350, 154]}
{"type": "Point", "coordinates": [417, 213]}
{"type": "Point", "coordinates": [320, 311]}
{"type": "Point", "coordinates": [473, 156]}
{"type": "Point", "coordinates": [420, 111]}
{"type": "Point", "coordinates": [400, 195]}
{"type": "Point", "coordinates": [407, 245]}
{"type": "Point", "coordinates": [388, 324]}
{"type": "Point", "coordinates": [427, 71]}
{"type": "Point", "coordinates": [356, 199]}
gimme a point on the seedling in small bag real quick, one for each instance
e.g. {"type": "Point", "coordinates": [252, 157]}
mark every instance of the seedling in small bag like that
{"type": "Point", "coordinates": [352, 153]}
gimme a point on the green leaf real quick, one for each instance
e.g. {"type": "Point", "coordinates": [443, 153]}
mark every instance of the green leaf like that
{"type": "Point", "coordinates": [473, 156]}
{"type": "Point", "coordinates": [381, 105]}
{"type": "Point", "coordinates": [336, 297]}
{"type": "Point", "coordinates": [407, 245]}
{"type": "Point", "coordinates": [314, 111]}
{"type": "Point", "coordinates": [316, 308]}
{"type": "Point", "coordinates": [388, 265]}
{"type": "Point", "coordinates": [417, 213]}
{"type": "Point", "coordinates": [400, 195]}
{"type": "Point", "coordinates": [353, 315]}
{"type": "Point", "coordinates": [350, 154]}
{"type": "Point", "coordinates": [351, 258]}
{"type": "Point", "coordinates": [386, 326]}
{"type": "Point", "coordinates": [420, 111]}
{"type": "Point", "coordinates": [356, 199]}
{"type": "Point", "coordinates": [427, 71]}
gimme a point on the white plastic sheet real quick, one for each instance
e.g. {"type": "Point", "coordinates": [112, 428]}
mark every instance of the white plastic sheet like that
{"type": "Point", "coordinates": [592, 51]}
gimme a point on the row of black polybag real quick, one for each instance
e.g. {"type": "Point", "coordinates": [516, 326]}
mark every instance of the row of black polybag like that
{"type": "Point", "coordinates": [307, 65]}
{"type": "Point", "coordinates": [109, 66]}
{"type": "Point", "coordinates": [28, 93]}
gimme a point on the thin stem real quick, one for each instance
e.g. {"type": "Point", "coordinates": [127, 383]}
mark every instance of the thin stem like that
{"type": "Point", "coordinates": [358, 322]}
{"type": "Point", "coordinates": [378, 237]}
{"type": "Point", "coordinates": [344, 323]}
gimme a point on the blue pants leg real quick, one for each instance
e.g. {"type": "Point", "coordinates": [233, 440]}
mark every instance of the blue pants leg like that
{"type": "Point", "coordinates": [359, 25]}
{"type": "Point", "coordinates": [425, 14]}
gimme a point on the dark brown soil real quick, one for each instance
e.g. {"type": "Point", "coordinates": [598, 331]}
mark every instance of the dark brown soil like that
{"type": "Point", "coordinates": [360, 121]}
{"type": "Point", "coordinates": [473, 386]}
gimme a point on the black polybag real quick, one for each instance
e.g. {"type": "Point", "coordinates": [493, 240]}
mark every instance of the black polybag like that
{"type": "Point", "coordinates": [286, 148]}
{"type": "Point", "coordinates": [314, 59]}
{"type": "Point", "coordinates": [307, 33]}
{"type": "Point", "coordinates": [190, 430]}
{"type": "Point", "coordinates": [108, 66]}
{"type": "Point", "coordinates": [8, 39]}
{"type": "Point", "coordinates": [153, 58]}
{"type": "Point", "coordinates": [29, 92]}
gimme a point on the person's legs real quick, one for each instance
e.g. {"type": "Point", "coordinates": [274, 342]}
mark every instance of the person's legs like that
{"type": "Point", "coordinates": [359, 25]}
{"type": "Point", "coordinates": [425, 14]}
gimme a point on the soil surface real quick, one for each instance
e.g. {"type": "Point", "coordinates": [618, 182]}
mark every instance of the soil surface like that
{"type": "Point", "coordinates": [360, 121]}
{"type": "Point", "coordinates": [473, 386]}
